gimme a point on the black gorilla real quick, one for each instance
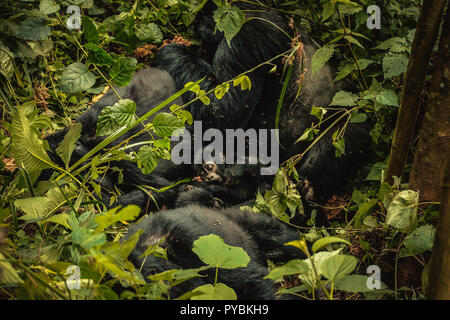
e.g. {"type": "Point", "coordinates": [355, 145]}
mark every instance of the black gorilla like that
{"type": "Point", "coordinates": [261, 236]}
{"type": "Point", "coordinates": [259, 40]}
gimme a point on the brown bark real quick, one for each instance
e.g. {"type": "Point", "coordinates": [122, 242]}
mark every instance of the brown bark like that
{"type": "Point", "coordinates": [434, 140]}
{"type": "Point", "coordinates": [424, 39]}
{"type": "Point", "coordinates": [439, 287]}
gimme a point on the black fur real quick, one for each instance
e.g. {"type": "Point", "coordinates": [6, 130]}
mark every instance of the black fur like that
{"type": "Point", "coordinates": [257, 42]}
{"type": "Point", "coordinates": [261, 236]}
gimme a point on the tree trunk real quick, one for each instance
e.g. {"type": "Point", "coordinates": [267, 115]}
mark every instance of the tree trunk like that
{"type": "Point", "coordinates": [424, 39]}
{"type": "Point", "coordinates": [439, 287]}
{"type": "Point", "coordinates": [434, 141]}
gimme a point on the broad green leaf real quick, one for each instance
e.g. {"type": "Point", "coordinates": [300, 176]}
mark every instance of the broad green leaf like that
{"type": "Point", "coordinates": [61, 219]}
{"type": "Point", "coordinates": [147, 159]}
{"type": "Point", "coordinates": [48, 7]}
{"type": "Point", "coordinates": [345, 71]}
{"type": "Point", "coordinates": [114, 215]}
{"type": "Point", "coordinates": [26, 147]}
{"type": "Point", "coordinates": [394, 65]}
{"type": "Point", "coordinates": [122, 71]}
{"type": "Point", "coordinates": [388, 98]}
{"type": "Point", "coordinates": [6, 61]}
{"type": "Point", "coordinates": [76, 77]}
{"type": "Point", "coordinates": [163, 276]}
{"type": "Point", "coordinates": [321, 57]}
{"type": "Point", "coordinates": [114, 257]}
{"type": "Point", "coordinates": [358, 117]}
{"type": "Point", "coordinates": [344, 99]}
{"type": "Point", "coordinates": [111, 118]}
{"type": "Point", "coordinates": [189, 273]}
{"type": "Point", "coordinates": [363, 211]}
{"type": "Point", "coordinates": [402, 212]}
{"type": "Point", "coordinates": [40, 207]}
{"type": "Point", "coordinates": [8, 275]}
{"type": "Point", "coordinates": [355, 283]}
{"type": "Point", "coordinates": [292, 267]}
{"type": "Point", "coordinates": [328, 9]}
{"type": "Point", "coordinates": [229, 20]}
{"type": "Point", "coordinates": [326, 241]}
{"type": "Point", "coordinates": [339, 144]}
{"type": "Point", "coordinates": [336, 267]}
{"type": "Point", "coordinates": [33, 29]}
{"type": "Point", "coordinates": [165, 124]}
{"type": "Point", "coordinates": [89, 30]}
{"type": "Point", "coordinates": [149, 32]}
{"type": "Point", "coordinates": [87, 238]}
{"type": "Point", "coordinates": [210, 292]}
{"type": "Point", "coordinates": [99, 56]}
{"type": "Point", "coordinates": [418, 241]}
{"type": "Point", "coordinates": [319, 112]}
{"type": "Point", "coordinates": [308, 135]}
{"type": "Point", "coordinates": [68, 144]}
{"type": "Point", "coordinates": [212, 250]}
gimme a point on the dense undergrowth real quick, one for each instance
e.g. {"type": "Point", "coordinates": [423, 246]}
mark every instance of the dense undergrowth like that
{"type": "Point", "coordinates": [57, 230]}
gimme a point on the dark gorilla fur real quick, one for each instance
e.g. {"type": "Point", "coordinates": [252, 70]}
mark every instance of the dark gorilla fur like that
{"type": "Point", "coordinates": [261, 236]}
{"type": "Point", "coordinates": [257, 42]}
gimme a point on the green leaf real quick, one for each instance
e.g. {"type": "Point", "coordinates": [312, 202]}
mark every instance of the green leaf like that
{"type": "Point", "coordinates": [363, 211]}
{"type": "Point", "coordinates": [165, 124]}
{"type": "Point", "coordinates": [329, 8]}
{"type": "Point", "coordinates": [345, 71]}
{"type": "Point", "coordinates": [344, 99]}
{"type": "Point", "coordinates": [212, 250]}
{"type": "Point", "coordinates": [354, 41]}
{"type": "Point", "coordinates": [319, 112]}
{"type": "Point", "coordinates": [229, 20]}
{"type": "Point", "coordinates": [87, 238]}
{"type": "Point", "coordinates": [292, 267]}
{"type": "Point", "coordinates": [339, 144]}
{"type": "Point", "coordinates": [6, 61]}
{"type": "Point", "coordinates": [418, 241]}
{"type": "Point", "coordinates": [48, 7]}
{"type": "Point", "coordinates": [61, 219]}
{"type": "Point", "coordinates": [358, 117]}
{"type": "Point", "coordinates": [111, 118]}
{"type": "Point", "coordinates": [326, 241]}
{"type": "Point", "coordinates": [147, 159]}
{"type": "Point", "coordinates": [336, 267]}
{"type": "Point", "coordinates": [26, 147]}
{"type": "Point", "coordinates": [150, 33]}
{"type": "Point", "coordinates": [355, 283]}
{"type": "Point", "coordinates": [122, 71]}
{"type": "Point", "coordinates": [68, 144]}
{"type": "Point", "coordinates": [394, 65]}
{"type": "Point", "coordinates": [388, 98]}
{"type": "Point", "coordinates": [99, 56]}
{"type": "Point", "coordinates": [116, 214]}
{"type": "Point", "coordinates": [402, 212]}
{"type": "Point", "coordinates": [33, 29]}
{"type": "Point", "coordinates": [210, 292]}
{"type": "Point", "coordinates": [89, 30]}
{"type": "Point", "coordinates": [37, 208]}
{"type": "Point", "coordinates": [76, 77]}
{"type": "Point", "coordinates": [321, 57]}
{"type": "Point", "coordinates": [8, 274]}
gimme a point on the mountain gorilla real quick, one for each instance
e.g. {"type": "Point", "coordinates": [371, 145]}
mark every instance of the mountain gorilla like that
{"type": "Point", "coordinates": [260, 39]}
{"type": "Point", "coordinates": [262, 237]}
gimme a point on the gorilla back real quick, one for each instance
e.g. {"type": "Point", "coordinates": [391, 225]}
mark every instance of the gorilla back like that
{"type": "Point", "coordinates": [261, 236]}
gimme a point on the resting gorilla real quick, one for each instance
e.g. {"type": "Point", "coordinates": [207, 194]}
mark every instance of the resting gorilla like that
{"type": "Point", "coordinates": [261, 236]}
{"type": "Point", "coordinates": [258, 41]}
